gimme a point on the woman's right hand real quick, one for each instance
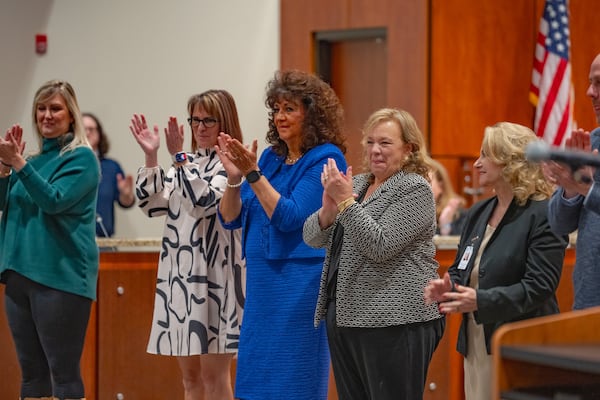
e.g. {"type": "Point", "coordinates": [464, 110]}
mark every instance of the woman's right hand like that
{"type": "Point", "coordinates": [148, 140]}
{"type": "Point", "coordinates": [436, 288]}
{"type": "Point", "coordinates": [234, 175]}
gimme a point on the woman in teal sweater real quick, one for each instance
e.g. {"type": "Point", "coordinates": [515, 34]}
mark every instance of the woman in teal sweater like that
{"type": "Point", "coordinates": [48, 254]}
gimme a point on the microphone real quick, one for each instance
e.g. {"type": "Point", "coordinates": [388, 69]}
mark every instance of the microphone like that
{"type": "Point", "coordinates": [541, 151]}
{"type": "Point", "coordinates": [102, 227]}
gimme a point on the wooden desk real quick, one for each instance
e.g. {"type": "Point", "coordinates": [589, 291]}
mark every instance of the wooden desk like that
{"type": "Point", "coordinates": [115, 363]}
{"type": "Point", "coordinates": [541, 357]}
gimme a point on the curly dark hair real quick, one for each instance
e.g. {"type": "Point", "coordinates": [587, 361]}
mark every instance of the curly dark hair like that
{"type": "Point", "coordinates": [103, 142]}
{"type": "Point", "coordinates": [324, 114]}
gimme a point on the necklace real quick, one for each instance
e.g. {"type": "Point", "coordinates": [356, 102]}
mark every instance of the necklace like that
{"type": "Point", "coordinates": [291, 161]}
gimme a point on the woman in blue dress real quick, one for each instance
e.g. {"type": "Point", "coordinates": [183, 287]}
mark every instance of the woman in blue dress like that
{"type": "Point", "coordinates": [281, 353]}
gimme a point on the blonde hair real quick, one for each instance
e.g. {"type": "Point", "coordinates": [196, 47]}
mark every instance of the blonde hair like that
{"type": "Point", "coordinates": [418, 161]}
{"type": "Point", "coordinates": [504, 144]}
{"type": "Point", "coordinates": [44, 93]}
{"type": "Point", "coordinates": [440, 175]}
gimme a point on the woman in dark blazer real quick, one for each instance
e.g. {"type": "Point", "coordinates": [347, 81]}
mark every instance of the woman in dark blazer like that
{"type": "Point", "coordinates": [509, 262]}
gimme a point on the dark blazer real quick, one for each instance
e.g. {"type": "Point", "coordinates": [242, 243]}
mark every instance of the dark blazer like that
{"type": "Point", "coordinates": [519, 269]}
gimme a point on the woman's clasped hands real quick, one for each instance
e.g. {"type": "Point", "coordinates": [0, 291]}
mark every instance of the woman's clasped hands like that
{"type": "Point", "coordinates": [11, 146]}
{"type": "Point", "coordinates": [237, 158]}
{"type": "Point", "coordinates": [451, 298]}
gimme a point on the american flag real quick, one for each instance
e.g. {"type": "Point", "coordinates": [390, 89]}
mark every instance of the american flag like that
{"type": "Point", "coordinates": [551, 90]}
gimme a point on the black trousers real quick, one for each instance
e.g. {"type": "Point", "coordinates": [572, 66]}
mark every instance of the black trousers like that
{"type": "Point", "coordinates": [48, 327]}
{"type": "Point", "coordinates": [382, 363]}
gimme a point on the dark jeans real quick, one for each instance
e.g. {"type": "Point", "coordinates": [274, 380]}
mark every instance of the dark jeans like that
{"type": "Point", "coordinates": [48, 327]}
{"type": "Point", "coordinates": [382, 363]}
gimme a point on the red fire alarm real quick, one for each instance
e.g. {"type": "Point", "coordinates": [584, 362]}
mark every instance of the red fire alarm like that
{"type": "Point", "coordinates": [41, 43]}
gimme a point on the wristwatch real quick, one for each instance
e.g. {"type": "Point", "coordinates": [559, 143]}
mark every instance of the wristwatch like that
{"type": "Point", "coordinates": [253, 176]}
{"type": "Point", "coordinates": [180, 157]}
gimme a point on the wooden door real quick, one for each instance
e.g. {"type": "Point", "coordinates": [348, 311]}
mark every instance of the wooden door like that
{"type": "Point", "coordinates": [356, 70]}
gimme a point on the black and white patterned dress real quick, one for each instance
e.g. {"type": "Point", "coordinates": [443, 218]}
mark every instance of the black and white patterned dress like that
{"type": "Point", "coordinates": [201, 275]}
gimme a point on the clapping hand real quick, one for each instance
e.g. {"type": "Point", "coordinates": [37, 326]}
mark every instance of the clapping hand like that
{"type": "Point", "coordinates": [148, 140]}
{"type": "Point", "coordinates": [12, 146]}
{"type": "Point", "coordinates": [125, 186]}
{"type": "Point", "coordinates": [572, 182]}
{"type": "Point", "coordinates": [237, 158]}
{"type": "Point", "coordinates": [174, 136]}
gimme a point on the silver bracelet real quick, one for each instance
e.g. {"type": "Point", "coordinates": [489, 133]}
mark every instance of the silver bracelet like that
{"type": "Point", "coordinates": [229, 185]}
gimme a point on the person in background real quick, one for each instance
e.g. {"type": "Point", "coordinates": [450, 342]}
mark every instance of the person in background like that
{"type": "Point", "coordinates": [575, 205]}
{"type": "Point", "coordinates": [201, 274]}
{"type": "Point", "coordinates": [281, 354]}
{"type": "Point", "coordinates": [115, 186]}
{"type": "Point", "coordinates": [509, 261]}
{"type": "Point", "coordinates": [48, 253]}
{"type": "Point", "coordinates": [378, 230]}
{"type": "Point", "coordinates": [449, 206]}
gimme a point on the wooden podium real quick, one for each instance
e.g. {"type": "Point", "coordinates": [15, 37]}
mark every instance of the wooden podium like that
{"type": "Point", "coordinates": [552, 357]}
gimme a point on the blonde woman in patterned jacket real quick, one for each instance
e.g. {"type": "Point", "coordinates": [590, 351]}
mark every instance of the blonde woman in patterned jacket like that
{"type": "Point", "coordinates": [201, 275]}
{"type": "Point", "coordinates": [378, 230]}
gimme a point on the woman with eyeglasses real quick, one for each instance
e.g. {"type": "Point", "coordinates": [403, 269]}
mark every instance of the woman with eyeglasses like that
{"type": "Point", "coordinates": [282, 355]}
{"type": "Point", "coordinates": [48, 252]}
{"type": "Point", "coordinates": [201, 274]}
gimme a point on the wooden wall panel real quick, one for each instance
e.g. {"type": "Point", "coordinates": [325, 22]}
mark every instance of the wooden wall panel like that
{"type": "Point", "coordinates": [481, 55]}
{"type": "Point", "coordinates": [481, 60]}
{"type": "Point", "coordinates": [584, 47]}
{"type": "Point", "coordinates": [9, 366]}
{"type": "Point", "coordinates": [299, 19]}
{"type": "Point", "coordinates": [407, 28]}
{"type": "Point", "coordinates": [361, 88]}
{"type": "Point", "coordinates": [407, 24]}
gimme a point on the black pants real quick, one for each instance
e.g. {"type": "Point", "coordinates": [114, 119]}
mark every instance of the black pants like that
{"type": "Point", "coordinates": [48, 327]}
{"type": "Point", "coordinates": [382, 363]}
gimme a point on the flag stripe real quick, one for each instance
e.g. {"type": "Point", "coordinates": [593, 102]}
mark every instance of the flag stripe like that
{"type": "Point", "coordinates": [551, 96]}
{"type": "Point", "coordinates": [562, 128]}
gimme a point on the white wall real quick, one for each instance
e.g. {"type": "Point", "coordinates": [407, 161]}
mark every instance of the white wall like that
{"type": "Point", "coordinates": [139, 56]}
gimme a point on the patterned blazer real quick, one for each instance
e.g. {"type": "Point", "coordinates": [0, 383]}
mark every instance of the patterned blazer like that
{"type": "Point", "coordinates": [387, 254]}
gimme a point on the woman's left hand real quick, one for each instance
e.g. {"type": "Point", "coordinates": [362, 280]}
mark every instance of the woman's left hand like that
{"type": "Point", "coordinates": [462, 300]}
{"type": "Point", "coordinates": [335, 183]}
{"type": "Point", "coordinates": [174, 136]}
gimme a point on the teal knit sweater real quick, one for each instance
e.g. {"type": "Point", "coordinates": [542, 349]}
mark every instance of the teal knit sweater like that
{"type": "Point", "coordinates": [47, 231]}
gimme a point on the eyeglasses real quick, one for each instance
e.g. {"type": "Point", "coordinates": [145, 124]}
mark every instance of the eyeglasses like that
{"type": "Point", "coordinates": [208, 122]}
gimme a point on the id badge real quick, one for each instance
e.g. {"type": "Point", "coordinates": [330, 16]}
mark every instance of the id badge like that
{"type": "Point", "coordinates": [464, 261]}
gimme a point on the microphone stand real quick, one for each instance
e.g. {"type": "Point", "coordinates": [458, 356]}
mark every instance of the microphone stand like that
{"type": "Point", "coordinates": [105, 232]}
